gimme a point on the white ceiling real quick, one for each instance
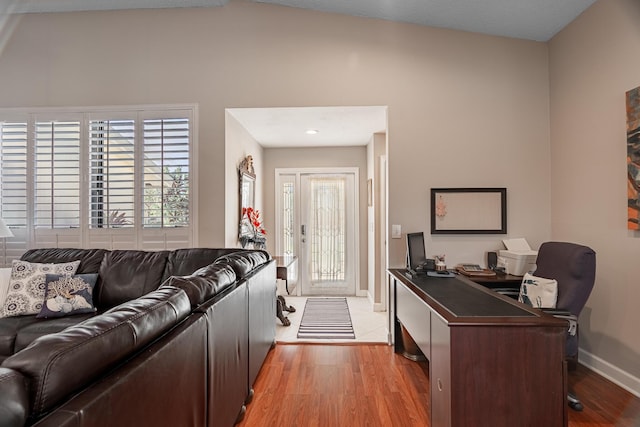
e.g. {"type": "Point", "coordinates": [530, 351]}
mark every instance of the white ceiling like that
{"type": "Point", "coordinates": [537, 20]}
{"type": "Point", "coordinates": [335, 126]}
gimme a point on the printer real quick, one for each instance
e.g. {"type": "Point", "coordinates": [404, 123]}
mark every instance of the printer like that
{"type": "Point", "coordinates": [518, 258]}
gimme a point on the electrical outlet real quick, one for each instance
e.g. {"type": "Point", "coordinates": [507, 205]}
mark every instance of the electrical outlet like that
{"type": "Point", "coordinates": [396, 231]}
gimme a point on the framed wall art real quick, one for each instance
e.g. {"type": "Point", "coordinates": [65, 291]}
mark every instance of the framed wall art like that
{"type": "Point", "coordinates": [468, 211]}
{"type": "Point", "coordinates": [633, 159]}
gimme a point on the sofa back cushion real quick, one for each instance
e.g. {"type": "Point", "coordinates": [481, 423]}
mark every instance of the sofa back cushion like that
{"type": "Point", "coordinates": [128, 274]}
{"type": "Point", "coordinates": [58, 365]}
{"type": "Point", "coordinates": [204, 283]}
{"type": "Point", "coordinates": [183, 262]}
{"type": "Point", "coordinates": [90, 259]}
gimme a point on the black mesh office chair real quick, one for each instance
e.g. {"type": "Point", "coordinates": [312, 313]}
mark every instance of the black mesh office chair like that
{"type": "Point", "coordinates": [574, 267]}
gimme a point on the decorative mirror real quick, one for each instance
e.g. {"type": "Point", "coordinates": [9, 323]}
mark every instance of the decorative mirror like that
{"type": "Point", "coordinates": [247, 178]}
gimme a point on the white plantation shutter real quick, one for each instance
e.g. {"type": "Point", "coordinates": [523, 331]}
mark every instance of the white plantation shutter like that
{"type": "Point", "coordinates": [111, 173]}
{"type": "Point", "coordinates": [14, 173]}
{"type": "Point", "coordinates": [57, 174]}
{"type": "Point", "coordinates": [13, 187]}
{"type": "Point", "coordinates": [166, 172]}
{"type": "Point", "coordinates": [99, 178]}
{"type": "Point", "coordinates": [167, 200]}
{"type": "Point", "coordinates": [56, 184]}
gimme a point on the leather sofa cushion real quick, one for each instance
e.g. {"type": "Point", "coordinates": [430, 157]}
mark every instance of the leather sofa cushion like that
{"type": "Point", "coordinates": [14, 404]}
{"type": "Point", "coordinates": [204, 283]}
{"type": "Point", "coordinates": [183, 262]}
{"type": "Point", "coordinates": [27, 334]}
{"type": "Point", "coordinates": [128, 274]}
{"type": "Point", "coordinates": [90, 259]}
{"type": "Point", "coordinates": [243, 262]}
{"type": "Point", "coordinates": [59, 364]}
{"type": "Point", "coordinates": [9, 328]}
{"type": "Point", "coordinates": [18, 332]}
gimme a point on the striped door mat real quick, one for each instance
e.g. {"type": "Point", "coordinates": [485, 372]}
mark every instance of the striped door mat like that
{"type": "Point", "coordinates": [326, 318]}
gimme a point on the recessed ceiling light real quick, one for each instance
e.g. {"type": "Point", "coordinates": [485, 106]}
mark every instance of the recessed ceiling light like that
{"type": "Point", "coordinates": [312, 131]}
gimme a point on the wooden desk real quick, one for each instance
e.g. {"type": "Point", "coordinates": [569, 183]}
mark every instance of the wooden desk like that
{"type": "Point", "coordinates": [492, 361]}
{"type": "Point", "coordinates": [287, 270]}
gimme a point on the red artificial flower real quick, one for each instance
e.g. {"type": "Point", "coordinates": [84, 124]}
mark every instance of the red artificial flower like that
{"type": "Point", "coordinates": [254, 219]}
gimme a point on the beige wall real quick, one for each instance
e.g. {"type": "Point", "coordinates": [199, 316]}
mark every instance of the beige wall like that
{"type": "Point", "coordinates": [594, 61]}
{"type": "Point", "coordinates": [239, 145]}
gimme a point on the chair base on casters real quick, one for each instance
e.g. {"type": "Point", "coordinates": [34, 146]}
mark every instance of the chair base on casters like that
{"type": "Point", "coordinates": [574, 402]}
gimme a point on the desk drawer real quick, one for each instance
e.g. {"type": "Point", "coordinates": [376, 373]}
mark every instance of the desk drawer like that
{"type": "Point", "coordinates": [415, 315]}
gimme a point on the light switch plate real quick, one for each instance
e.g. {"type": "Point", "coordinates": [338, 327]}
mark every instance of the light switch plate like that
{"type": "Point", "coordinates": [396, 231]}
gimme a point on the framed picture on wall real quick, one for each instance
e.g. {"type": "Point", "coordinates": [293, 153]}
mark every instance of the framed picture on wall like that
{"type": "Point", "coordinates": [468, 211]}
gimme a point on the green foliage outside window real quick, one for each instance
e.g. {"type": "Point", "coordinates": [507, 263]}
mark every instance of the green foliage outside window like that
{"type": "Point", "coordinates": [168, 206]}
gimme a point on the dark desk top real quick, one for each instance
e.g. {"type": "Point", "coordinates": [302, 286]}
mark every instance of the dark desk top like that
{"type": "Point", "coordinates": [505, 279]}
{"type": "Point", "coordinates": [463, 299]}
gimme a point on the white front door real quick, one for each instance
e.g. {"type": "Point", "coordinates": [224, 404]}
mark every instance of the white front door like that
{"type": "Point", "coordinates": [318, 224]}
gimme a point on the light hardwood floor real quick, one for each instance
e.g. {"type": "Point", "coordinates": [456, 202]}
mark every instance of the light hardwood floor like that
{"type": "Point", "coordinates": [370, 385]}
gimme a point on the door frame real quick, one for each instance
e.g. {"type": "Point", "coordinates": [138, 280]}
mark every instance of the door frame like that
{"type": "Point", "coordinates": [278, 208]}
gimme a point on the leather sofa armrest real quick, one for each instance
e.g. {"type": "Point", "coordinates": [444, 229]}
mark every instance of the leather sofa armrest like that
{"type": "Point", "coordinates": [14, 403]}
{"type": "Point", "coordinates": [59, 364]}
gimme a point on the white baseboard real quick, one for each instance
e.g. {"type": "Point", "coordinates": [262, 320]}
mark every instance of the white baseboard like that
{"type": "Point", "coordinates": [376, 306]}
{"type": "Point", "coordinates": [610, 372]}
{"type": "Point", "coordinates": [379, 307]}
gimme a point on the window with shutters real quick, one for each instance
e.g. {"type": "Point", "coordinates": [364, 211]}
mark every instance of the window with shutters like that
{"type": "Point", "coordinates": [97, 178]}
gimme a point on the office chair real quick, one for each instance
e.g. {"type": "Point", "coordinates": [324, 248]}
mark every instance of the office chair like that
{"type": "Point", "coordinates": [574, 267]}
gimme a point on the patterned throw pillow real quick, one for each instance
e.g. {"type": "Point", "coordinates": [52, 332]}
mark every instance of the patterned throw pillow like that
{"type": "Point", "coordinates": [66, 295]}
{"type": "Point", "coordinates": [27, 285]}
{"type": "Point", "coordinates": [538, 292]}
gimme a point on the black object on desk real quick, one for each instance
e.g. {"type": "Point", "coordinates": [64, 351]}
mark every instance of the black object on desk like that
{"type": "Point", "coordinates": [505, 284]}
{"type": "Point", "coordinates": [498, 281]}
{"type": "Point", "coordinates": [443, 273]}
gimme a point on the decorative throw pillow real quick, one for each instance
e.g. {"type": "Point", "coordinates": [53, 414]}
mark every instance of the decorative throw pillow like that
{"type": "Point", "coordinates": [27, 285]}
{"type": "Point", "coordinates": [5, 276]}
{"type": "Point", "coordinates": [538, 292]}
{"type": "Point", "coordinates": [65, 295]}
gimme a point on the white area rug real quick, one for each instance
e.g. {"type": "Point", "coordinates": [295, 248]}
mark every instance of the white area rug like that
{"type": "Point", "coordinates": [370, 327]}
{"type": "Point", "coordinates": [326, 318]}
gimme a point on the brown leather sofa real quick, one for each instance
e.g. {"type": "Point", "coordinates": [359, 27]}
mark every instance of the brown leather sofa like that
{"type": "Point", "coordinates": [178, 339]}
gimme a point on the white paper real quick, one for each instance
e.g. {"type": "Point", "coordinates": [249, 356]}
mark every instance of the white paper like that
{"type": "Point", "coordinates": [517, 245]}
